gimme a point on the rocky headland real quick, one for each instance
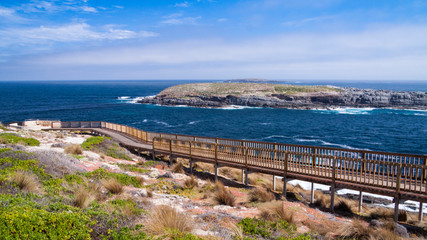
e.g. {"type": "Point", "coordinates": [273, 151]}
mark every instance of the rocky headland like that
{"type": "Point", "coordinates": [285, 96]}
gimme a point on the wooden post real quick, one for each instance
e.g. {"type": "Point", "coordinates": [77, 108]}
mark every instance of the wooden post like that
{"type": "Point", "coordinates": [312, 193]}
{"type": "Point", "coordinates": [397, 193]}
{"type": "Point", "coordinates": [274, 181]}
{"type": "Point", "coordinates": [420, 216]}
{"type": "Point", "coordinates": [423, 174]}
{"type": "Point", "coordinates": [284, 187]}
{"type": "Point", "coordinates": [243, 175]}
{"type": "Point", "coordinates": [333, 184]}
{"type": "Point", "coordinates": [191, 166]}
{"type": "Point", "coordinates": [216, 171]}
{"type": "Point", "coordinates": [216, 151]}
{"type": "Point", "coordinates": [246, 178]}
{"type": "Point", "coordinates": [360, 201]}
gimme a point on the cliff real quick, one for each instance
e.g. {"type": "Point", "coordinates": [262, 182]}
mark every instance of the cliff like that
{"type": "Point", "coordinates": [285, 96]}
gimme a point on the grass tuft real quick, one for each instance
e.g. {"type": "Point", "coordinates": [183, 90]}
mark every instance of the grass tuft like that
{"type": "Point", "coordinates": [223, 196]}
{"type": "Point", "coordinates": [163, 218]}
{"type": "Point", "coordinates": [191, 183]}
{"type": "Point", "coordinates": [275, 211]}
{"type": "Point", "coordinates": [74, 149]}
{"type": "Point", "coordinates": [26, 181]}
{"type": "Point", "coordinates": [259, 194]}
{"type": "Point", "coordinates": [82, 197]}
{"type": "Point", "coordinates": [360, 230]}
{"type": "Point", "coordinates": [112, 185]}
{"type": "Point", "coordinates": [177, 168]}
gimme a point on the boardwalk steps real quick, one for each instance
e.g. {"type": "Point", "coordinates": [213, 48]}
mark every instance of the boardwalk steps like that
{"type": "Point", "coordinates": [401, 176]}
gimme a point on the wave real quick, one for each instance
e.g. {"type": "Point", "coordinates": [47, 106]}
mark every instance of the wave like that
{"type": "Point", "coordinates": [237, 107]}
{"type": "Point", "coordinates": [325, 143]}
{"type": "Point", "coordinates": [128, 99]}
{"type": "Point", "coordinates": [123, 98]}
{"type": "Point", "coordinates": [368, 111]}
{"type": "Point", "coordinates": [193, 122]}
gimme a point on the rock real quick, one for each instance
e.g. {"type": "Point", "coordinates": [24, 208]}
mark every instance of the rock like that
{"type": "Point", "coordinates": [166, 175]}
{"type": "Point", "coordinates": [138, 193]}
{"type": "Point", "coordinates": [376, 224]}
{"type": "Point", "coordinates": [154, 174]}
{"type": "Point", "coordinates": [160, 167]}
{"type": "Point", "coordinates": [58, 145]}
{"type": "Point", "coordinates": [401, 230]}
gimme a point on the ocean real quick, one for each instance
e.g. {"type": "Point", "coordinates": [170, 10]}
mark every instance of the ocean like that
{"type": "Point", "coordinates": [402, 131]}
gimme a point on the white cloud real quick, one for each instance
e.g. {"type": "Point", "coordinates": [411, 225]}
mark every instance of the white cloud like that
{"type": "Point", "coordinates": [307, 20]}
{"type": "Point", "coordinates": [222, 20]}
{"type": "Point", "coordinates": [89, 9]}
{"type": "Point", "coordinates": [66, 33]}
{"type": "Point", "coordinates": [182, 20]}
{"type": "Point", "coordinates": [377, 53]}
{"type": "Point", "coordinates": [183, 4]}
{"type": "Point", "coordinates": [10, 14]}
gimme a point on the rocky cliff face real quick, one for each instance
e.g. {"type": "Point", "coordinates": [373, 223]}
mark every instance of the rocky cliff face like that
{"type": "Point", "coordinates": [345, 97]}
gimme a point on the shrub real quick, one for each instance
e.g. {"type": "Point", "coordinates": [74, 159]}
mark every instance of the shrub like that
{"type": "Point", "coordinates": [15, 139]}
{"type": "Point", "coordinates": [2, 127]}
{"type": "Point", "coordinates": [165, 217]}
{"type": "Point", "coordinates": [82, 197]}
{"type": "Point", "coordinates": [223, 196]}
{"type": "Point", "coordinates": [91, 142]}
{"type": "Point", "coordinates": [31, 223]}
{"type": "Point", "coordinates": [191, 183]}
{"type": "Point", "coordinates": [265, 229]}
{"type": "Point", "coordinates": [74, 149]}
{"type": "Point", "coordinates": [104, 145]}
{"type": "Point", "coordinates": [57, 164]}
{"type": "Point", "coordinates": [124, 179]}
{"type": "Point", "coordinates": [388, 214]}
{"type": "Point", "coordinates": [26, 181]}
{"type": "Point", "coordinates": [112, 185]}
{"type": "Point", "coordinates": [260, 195]}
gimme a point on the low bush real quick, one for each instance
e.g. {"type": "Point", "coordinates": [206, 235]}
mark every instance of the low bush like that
{"type": "Point", "coordinates": [104, 145]}
{"type": "Point", "coordinates": [177, 168]}
{"type": "Point", "coordinates": [124, 179]}
{"type": "Point", "coordinates": [267, 229]}
{"type": "Point", "coordinates": [360, 230]}
{"type": "Point", "coordinates": [31, 223]}
{"type": "Point", "coordinates": [275, 211]}
{"type": "Point", "coordinates": [164, 218]}
{"type": "Point", "coordinates": [74, 149]}
{"type": "Point", "coordinates": [15, 139]}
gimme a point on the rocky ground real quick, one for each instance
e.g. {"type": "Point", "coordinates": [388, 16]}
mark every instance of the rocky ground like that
{"type": "Point", "coordinates": [285, 96]}
{"type": "Point", "coordinates": [165, 185]}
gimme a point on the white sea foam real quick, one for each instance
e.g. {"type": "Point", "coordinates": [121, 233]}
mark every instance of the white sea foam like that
{"type": "Point", "coordinates": [123, 98]}
{"type": "Point", "coordinates": [351, 111]}
{"type": "Point", "coordinates": [193, 122]}
{"type": "Point", "coordinates": [237, 107]}
{"type": "Point", "coordinates": [274, 136]}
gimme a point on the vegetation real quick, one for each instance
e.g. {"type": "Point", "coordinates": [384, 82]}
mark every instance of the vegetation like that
{"type": "Point", "coordinates": [11, 138]}
{"type": "Point", "coordinates": [254, 228]}
{"type": "Point", "coordinates": [223, 196]}
{"type": "Point", "coordinates": [106, 146]}
{"type": "Point", "coordinates": [74, 149]}
{"type": "Point", "coordinates": [260, 195]}
{"type": "Point", "coordinates": [239, 89]}
{"type": "Point", "coordinates": [112, 185]}
{"type": "Point", "coordinates": [2, 127]}
{"type": "Point", "coordinates": [26, 181]}
{"type": "Point", "coordinates": [163, 218]}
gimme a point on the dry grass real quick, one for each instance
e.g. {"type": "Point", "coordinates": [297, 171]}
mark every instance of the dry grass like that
{"type": "Point", "coordinates": [259, 194]}
{"type": "Point", "coordinates": [165, 217]}
{"type": "Point", "coordinates": [73, 149]}
{"type": "Point", "coordinates": [275, 210]}
{"type": "Point", "coordinates": [360, 230]}
{"type": "Point", "coordinates": [223, 196]}
{"type": "Point", "coordinates": [388, 214]}
{"type": "Point", "coordinates": [191, 183]}
{"type": "Point", "coordinates": [140, 179]}
{"type": "Point", "coordinates": [82, 197]}
{"type": "Point", "coordinates": [112, 185]}
{"type": "Point", "coordinates": [177, 168]}
{"type": "Point", "coordinates": [26, 181]}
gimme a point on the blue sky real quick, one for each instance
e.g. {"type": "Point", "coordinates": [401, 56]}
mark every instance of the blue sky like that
{"type": "Point", "coordinates": [213, 39]}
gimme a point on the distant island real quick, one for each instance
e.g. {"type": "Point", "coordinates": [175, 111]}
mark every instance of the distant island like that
{"type": "Point", "coordinates": [285, 96]}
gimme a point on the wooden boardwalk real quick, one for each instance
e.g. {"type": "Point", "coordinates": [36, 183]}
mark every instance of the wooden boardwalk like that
{"type": "Point", "coordinates": [402, 176]}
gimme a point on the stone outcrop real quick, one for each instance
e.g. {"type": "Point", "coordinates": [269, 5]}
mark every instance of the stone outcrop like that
{"type": "Point", "coordinates": [343, 97]}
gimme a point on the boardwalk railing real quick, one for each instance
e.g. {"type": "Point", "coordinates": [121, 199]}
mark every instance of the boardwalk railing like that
{"type": "Point", "coordinates": [395, 172]}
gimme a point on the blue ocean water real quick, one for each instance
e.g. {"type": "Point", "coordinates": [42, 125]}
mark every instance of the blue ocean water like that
{"type": "Point", "coordinates": [389, 130]}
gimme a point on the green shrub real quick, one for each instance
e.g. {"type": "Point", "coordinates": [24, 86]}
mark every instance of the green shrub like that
{"type": "Point", "coordinates": [91, 142]}
{"type": "Point", "coordinates": [132, 168]}
{"type": "Point", "coordinates": [15, 139]}
{"type": "Point", "coordinates": [258, 228]}
{"type": "Point", "coordinates": [30, 223]}
{"type": "Point", "coordinates": [124, 179]}
{"type": "Point", "coordinates": [2, 127]}
{"type": "Point", "coordinates": [106, 146]}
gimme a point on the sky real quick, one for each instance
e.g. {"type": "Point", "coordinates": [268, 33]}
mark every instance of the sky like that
{"type": "Point", "coordinates": [380, 40]}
